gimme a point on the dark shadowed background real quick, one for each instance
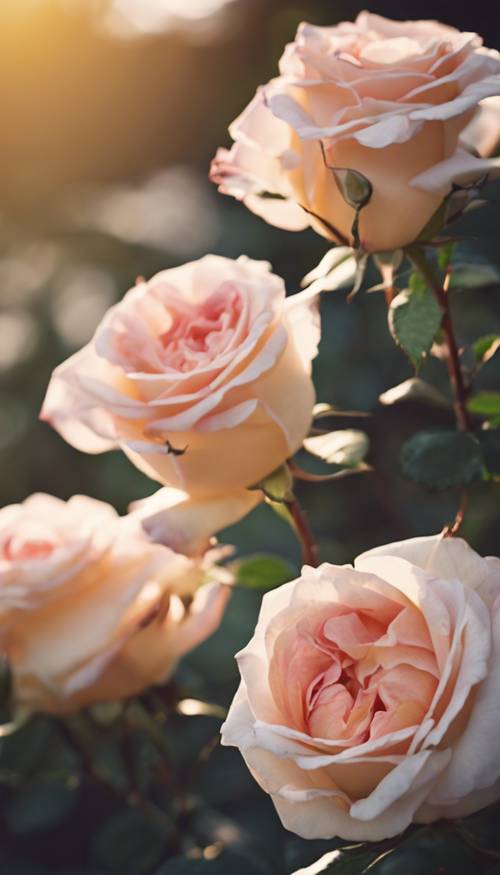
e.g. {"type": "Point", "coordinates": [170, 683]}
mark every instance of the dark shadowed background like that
{"type": "Point", "coordinates": [111, 112]}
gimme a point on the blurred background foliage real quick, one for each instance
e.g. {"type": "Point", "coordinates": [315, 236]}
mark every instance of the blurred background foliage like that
{"type": "Point", "coordinates": [112, 110]}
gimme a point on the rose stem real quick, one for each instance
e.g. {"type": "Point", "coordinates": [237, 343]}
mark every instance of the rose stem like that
{"type": "Point", "coordinates": [450, 530]}
{"type": "Point", "coordinates": [304, 533]}
{"type": "Point", "coordinates": [455, 371]}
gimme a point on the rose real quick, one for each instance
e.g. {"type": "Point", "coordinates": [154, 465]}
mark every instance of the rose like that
{"type": "Point", "coordinates": [369, 695]}
{"type": "Point", "coordinates": [482, 134]}
{"type": "Point", "coordinates": [201, 376]}
{"type": "Point", "coordinates": [388, 99]}
{"type": "Point", "coordinates": [187, 525]}
{"type": "Point", "coordinates": [90, 609]}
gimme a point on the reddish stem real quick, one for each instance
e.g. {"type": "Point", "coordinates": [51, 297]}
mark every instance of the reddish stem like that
{"type": "Point", "coordinates": [304, 534]}
{"type": "Point", "coordinates": [455, 371]}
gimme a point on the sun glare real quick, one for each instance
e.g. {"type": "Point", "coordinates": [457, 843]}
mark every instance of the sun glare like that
{"type": "Point", "coordinates": [150, 16]}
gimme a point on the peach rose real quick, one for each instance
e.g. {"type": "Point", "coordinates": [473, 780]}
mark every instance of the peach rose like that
{"type": "Point", "coordinates": [187, 525]}
{"type": "Point", "coordinates": [202, 376]}
{"type": "Point", "coordinates": [370, 695]}
{"type": "Point", "coordinates": [388, 99]}
{"type": "Point", "coordinates": [90, 609]}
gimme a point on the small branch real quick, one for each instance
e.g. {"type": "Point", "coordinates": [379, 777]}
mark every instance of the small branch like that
{"type": "Point", "coordinates": [387, 273]}
{"type": "Point", "coordinates": [455, 371]}
{"type": "Point", "coordinates": [450, 531]}
{"type": "Point", "coordinates": [389, 294]}
{"type": "Point", "coordinates": [304, 534]}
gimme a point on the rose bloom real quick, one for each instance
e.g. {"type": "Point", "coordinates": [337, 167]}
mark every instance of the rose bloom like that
{"type": "Point", "coordinates": [370, 695]}
{"type": "Point", "coordinates": [202, 376]}
{"type": "Point", "coordinates": [90, 609]}
{"type": "Point", "coordinates": [388, 99]}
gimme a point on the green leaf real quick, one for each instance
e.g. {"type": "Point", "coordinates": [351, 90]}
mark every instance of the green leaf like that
{"type": "Point", "coordinates": [471, 272]}
{"type": "Point", "coordinates": [225, 779]}
{"type": "Point", "coordinates": [444, 255]}
{"type": "Point", "coordinates": [485, 348]}
{"type": "Point", "coordinates": [24, 751]}
{"type": "Point", "coordinates": [144, 760]}
{"type": "Point", "coordinates": [102, 748]}
{"type": "Point", "coordinates": [41, 804]}
{"type": "Point", "coordinates": [264, 572]}
{"type": "Point", "coordinates": [486, 404]}
{"type": "Point", "coordinates": [130, 841]}
{"type": "Point", "coordinates": [415, 389]}
{"type": "Point", "coordinates": [109, 764]}
{"type": "Point", "coordinates": [490, 442]}
{"type": "Point", "coordinates": [432, 850]}
{"type": "Point", "coordinates": [414, 319]}
{"type": "Point", "coordinates": [440, 459]}
{"type": "Point", "coordinates": [347, 447]}
{"type": "Point", "coordinates": [481, 830]}
{"type": "Point", "coordinates": [277, 486]}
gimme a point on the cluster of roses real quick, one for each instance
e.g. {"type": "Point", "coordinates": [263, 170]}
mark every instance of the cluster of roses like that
{"type": "Point", "coordinates": [369, 694]}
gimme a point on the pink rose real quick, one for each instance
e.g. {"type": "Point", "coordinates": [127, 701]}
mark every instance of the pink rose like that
{"type": "Point", "coordinates": [370, 695]}
{"type": "Point", "coordinates": [187, 525]}
{"type": "Point", "coordinates": [389, 99]}
{"type": "Point", "coordinates": [90, 609]}
{"type": "Point", "coordinates": [202, 376]}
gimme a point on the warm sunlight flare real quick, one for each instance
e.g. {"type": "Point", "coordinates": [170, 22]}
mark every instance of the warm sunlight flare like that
{"type": "Point", "coordinates": [150, 16]}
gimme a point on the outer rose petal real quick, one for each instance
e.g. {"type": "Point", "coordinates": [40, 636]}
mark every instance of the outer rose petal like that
{"type": "Point", "coordinates": [93, 431]}
{"type": "Point", "coordinates": [461, 168]}
{"type": "Point", "coordinates": [448, 558]}
{"type": "Point", "coordinates": [323, 812]}
{"type": "Point", "coordinates": [174, 518]}
{"type": "Point", "coordinates": [483, 132]}
{"type": "Point", "coordinates": [248, 173]}
{"type": "Point", "coordinates": [474, 770]}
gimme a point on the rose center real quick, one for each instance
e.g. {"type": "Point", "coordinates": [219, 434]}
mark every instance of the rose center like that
{"type": "Point", "coordinates": [19, 549]}
{"type": "Point", "coordinates": [202, 332]}
{"type": "Point", "coordinates": [354, 676]}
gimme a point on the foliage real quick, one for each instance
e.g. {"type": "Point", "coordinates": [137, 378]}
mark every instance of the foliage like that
{"type": "Point", "coordinates": [141, 788]}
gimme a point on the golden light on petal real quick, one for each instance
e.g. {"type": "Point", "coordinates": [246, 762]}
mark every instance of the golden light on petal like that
{"type": "Point", "coordinates": [195, 708]}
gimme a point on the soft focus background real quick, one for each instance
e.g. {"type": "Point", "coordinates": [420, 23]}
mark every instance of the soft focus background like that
{"type": "Point", "coordinates": [111, 112]}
